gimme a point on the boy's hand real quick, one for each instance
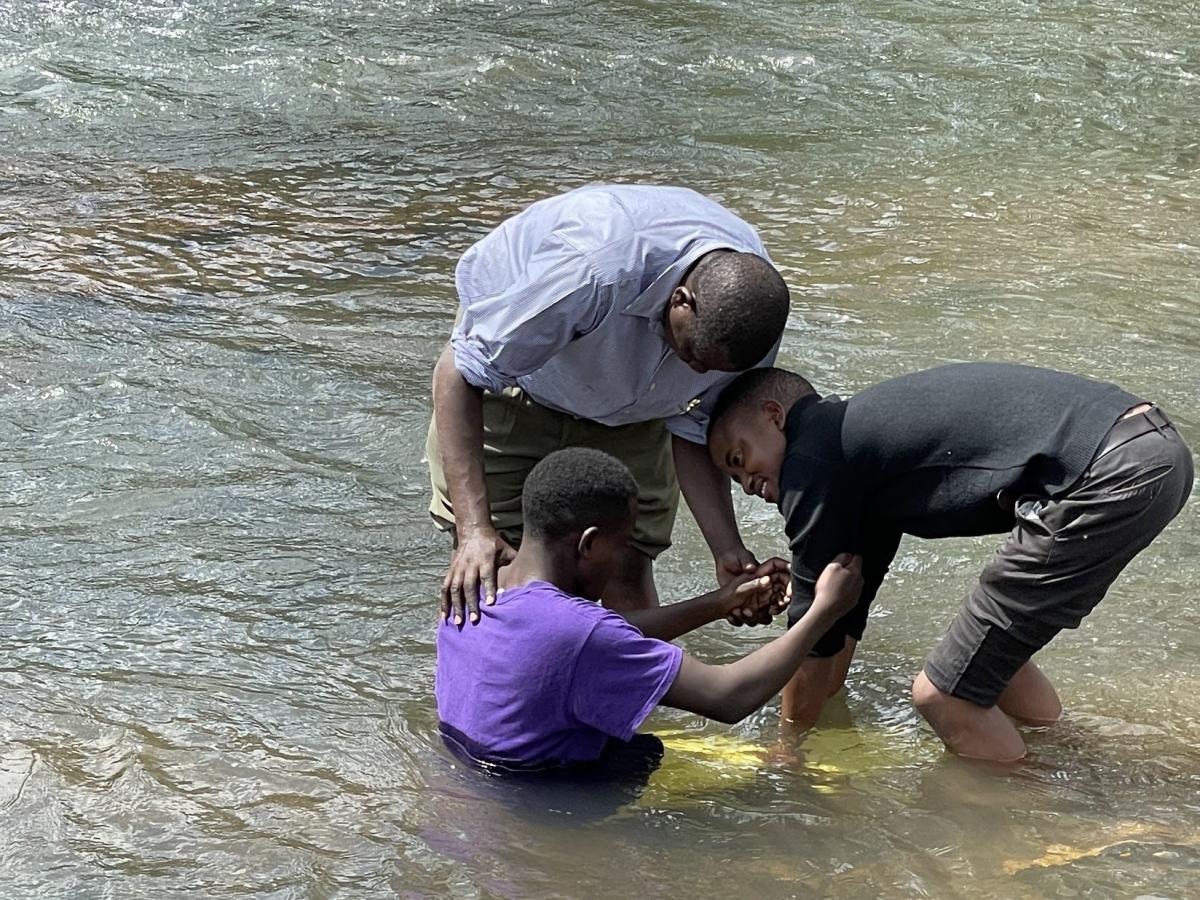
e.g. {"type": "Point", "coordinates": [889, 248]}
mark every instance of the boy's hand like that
{"type": "Point", "coordinates": [753, 598]}
{"type": "Point", "coordinates": [838, 588]}
{"type": "Point", "coordinates": [780, 571]}
{"type": "Point", "coordinates": [744, 600]}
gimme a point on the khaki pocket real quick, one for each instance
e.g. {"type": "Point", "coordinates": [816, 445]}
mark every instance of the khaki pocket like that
{"type": "Point", "coordinates": [500, 412]}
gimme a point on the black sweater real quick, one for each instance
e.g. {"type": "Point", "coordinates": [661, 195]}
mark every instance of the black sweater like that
{"type": "Point", "coordinates": [938, 453]}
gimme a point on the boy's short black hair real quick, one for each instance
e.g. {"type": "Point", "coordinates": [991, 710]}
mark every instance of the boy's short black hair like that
{"type": "Point", "coordinates": [741, 306]}
{"type": "Point", "coordinates": [753, 387]}
{"type": "Point", "coordinates": [573, 489]}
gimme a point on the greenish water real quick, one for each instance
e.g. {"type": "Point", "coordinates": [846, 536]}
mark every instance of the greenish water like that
{"type": "Point", "coordinates": [227, 237]}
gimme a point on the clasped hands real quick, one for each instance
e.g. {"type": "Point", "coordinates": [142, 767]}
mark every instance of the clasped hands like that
{"type": "Point", "coordinates": [757, 594]}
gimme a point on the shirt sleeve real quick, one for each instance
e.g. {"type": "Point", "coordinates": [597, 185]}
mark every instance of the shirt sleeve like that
{"type": "Point", "coordinates": [620, 675]}
{"type": "Point", "coordinates": [690, 426]}
{"type": "Point", "coordinates": [821, 506]}
{"type": "Point", "coordinates": [878, 550]}
{"type": "Point", "coordinates": [693, 425]}
{"type": "Point", "coordinates": [514, 330]}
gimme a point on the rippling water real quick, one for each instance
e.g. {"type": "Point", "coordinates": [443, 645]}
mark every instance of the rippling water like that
{"type": "Point", "coordinates": [227, 237]}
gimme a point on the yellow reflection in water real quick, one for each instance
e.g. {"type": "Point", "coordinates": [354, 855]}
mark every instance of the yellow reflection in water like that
{"type": "Point", "coordinates": [1118, 835]}
{"type": "Point", "coordinates": [700, 764]}
{"type": "Point", "coordinates": [696, 765]}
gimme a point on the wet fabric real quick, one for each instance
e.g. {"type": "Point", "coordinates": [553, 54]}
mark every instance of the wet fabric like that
{"type": "Point", "coordinates": [546, 677]}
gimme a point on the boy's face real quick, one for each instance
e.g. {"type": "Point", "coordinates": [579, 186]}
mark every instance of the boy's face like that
{"type": "Point", "coordinates": [749, 447]}
{"type": "Point", "coordinates": [606, 551]}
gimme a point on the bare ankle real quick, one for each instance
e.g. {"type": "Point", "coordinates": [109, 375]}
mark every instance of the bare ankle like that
{"type": "Point", "coordinates": [801, 719]}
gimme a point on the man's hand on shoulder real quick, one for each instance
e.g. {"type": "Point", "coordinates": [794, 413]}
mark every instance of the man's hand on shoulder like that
{"type": "Point", "coordinates": [474, 565]}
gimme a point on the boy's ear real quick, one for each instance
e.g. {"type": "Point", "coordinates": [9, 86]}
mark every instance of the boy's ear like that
{"type": "Point", "coordinates": [587, 540]}
{"type": "Point", "coordinates": [775, 413]}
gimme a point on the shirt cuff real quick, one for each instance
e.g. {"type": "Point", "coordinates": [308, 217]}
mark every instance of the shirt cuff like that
{"type": "Point", "coordinates": [475, 368]}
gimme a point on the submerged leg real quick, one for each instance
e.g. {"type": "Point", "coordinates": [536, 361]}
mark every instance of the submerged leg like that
{"type": "Point", "coordinates": [817, 679]}
{"type": "Point", "coordinates": [969, 730]}
{"type": "Point", "coordinates": [1031, 697]}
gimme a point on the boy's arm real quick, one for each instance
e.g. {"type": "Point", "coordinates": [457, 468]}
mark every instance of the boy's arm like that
{"type": "Point", "coordinates": [824, 672]}
{"type": "Point", "coordinates": [748, 593]}
{"type": "Point", "coordinates": [731, 692]}
{"type": "Point", "coordinates": [877, 549]}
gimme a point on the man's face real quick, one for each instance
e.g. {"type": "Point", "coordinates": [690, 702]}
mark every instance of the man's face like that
{"type": "Point", "coordinates": [749, 447]}
{"type": "Point", "coordinates": [681, 333]}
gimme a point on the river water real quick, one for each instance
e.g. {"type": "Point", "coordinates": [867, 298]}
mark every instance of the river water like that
{"type": "Point", "coordinates": [227, 238]}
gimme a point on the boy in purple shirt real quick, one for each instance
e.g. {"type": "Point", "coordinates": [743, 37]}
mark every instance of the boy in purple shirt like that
{"type": "Point", "coordinates": [552, 676]}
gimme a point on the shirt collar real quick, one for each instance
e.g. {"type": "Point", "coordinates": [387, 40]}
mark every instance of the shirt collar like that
{"type": "Point", "coordinates": [792, 423]}
{"type": "Point", "coordinates": [651, 302]}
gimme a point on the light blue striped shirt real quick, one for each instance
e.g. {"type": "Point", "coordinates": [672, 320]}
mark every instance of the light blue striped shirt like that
{"type": "Point", "coordinates": [566, 299]}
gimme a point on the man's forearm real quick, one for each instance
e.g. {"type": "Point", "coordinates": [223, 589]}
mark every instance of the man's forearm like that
{"type": "Point", "coordinates": [458, 409]}
{"type": "Point", "coordinates": [706, 490]}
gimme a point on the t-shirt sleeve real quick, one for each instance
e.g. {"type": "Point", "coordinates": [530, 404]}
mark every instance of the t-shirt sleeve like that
{"type": "Point", "coordinates": [878, 550]}
{"type": "Point", "coordinates": [822, 508]}
{"type": "Point", "coordinates": [620, 675]}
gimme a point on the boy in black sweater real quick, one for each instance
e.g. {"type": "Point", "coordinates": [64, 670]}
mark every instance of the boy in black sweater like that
{"type": "Point", "coordinates": [1082, 474]}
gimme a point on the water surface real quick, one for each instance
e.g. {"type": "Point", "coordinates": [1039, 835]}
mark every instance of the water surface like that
{"type": "Point", "coordinates": [227, 239]}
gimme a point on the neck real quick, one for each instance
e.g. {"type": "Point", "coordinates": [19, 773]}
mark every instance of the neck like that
{"type": "Point", "coordinates": [537, 561]}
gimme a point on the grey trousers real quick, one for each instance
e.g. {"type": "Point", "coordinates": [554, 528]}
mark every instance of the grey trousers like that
{"type": "Point", "coordinates": [1063, 555]}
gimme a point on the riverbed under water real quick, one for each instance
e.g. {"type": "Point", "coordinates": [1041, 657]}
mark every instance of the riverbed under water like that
{"type": "Point", "coordinates": [227, 240]}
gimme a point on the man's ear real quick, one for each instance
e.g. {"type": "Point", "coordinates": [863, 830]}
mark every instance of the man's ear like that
{"type": "Point", "coordinates": [775, 413]}
{"type": "Point", "coordinates": [682, 296]}
{"type": "Point", "coordinates": [587, 541]}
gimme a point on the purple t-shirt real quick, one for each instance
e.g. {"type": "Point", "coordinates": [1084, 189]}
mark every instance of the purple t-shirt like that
{"type": "Point", "coordinates": [547, 677]}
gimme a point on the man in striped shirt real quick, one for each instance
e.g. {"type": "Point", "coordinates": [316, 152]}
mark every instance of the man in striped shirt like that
{"type": "Point", "coordinates": [611, 317]}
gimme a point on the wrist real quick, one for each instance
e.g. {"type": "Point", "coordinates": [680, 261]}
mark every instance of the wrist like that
{"type": "Point", "coordinates": [716, 604]}
{"type": "Point", "coordinates": [476, 530]}
{"type": "Point", "coordinates": [825, 618]}
{"type": "Point", "coordinates": [729, 550]}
